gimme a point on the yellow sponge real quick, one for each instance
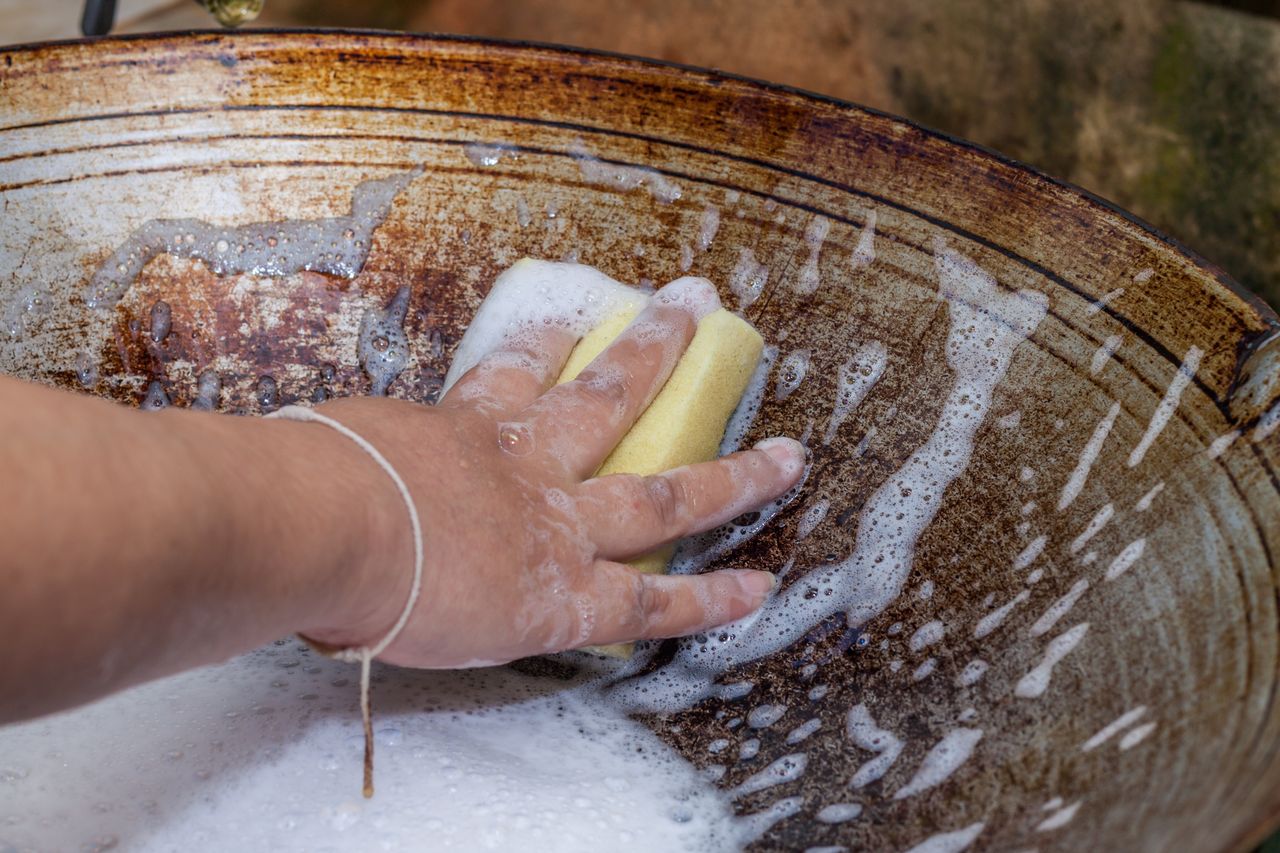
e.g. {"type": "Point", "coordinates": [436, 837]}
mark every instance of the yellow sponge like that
{"type": "Point", "coordinates": [685, 422]}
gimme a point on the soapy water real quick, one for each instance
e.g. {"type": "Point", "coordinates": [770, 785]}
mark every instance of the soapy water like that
{"type": "Point", "coordinates": [258, 754]}
{"type": "Point", "coordinates": [472, 760]}
{"type": "Point", "coordinates": [336, 245]}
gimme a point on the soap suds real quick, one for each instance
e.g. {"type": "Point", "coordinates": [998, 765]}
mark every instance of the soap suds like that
{"type": "Point", "coordinates": [944, 759]}
{"type": "Point", "coordinates": [1168, 404]}
{"type": "Point", "coordinates": [1104, 354]}
{"type": "Point", "coordinates": [1137, 736]}
{"type": "Point", "coordinates": [926, 635]}
{"type": "Point", "coordinates": [532, 295]}
{"type": "Point", "coordinates": [624, 177]}
{"type": "Point", "coordinates": [1059, 608]}
{"type": "Point", "coordinates": [972, 672]}
{"type": "Point", "coordinates": [791, 372]}
{"type": "Point", "coordinates": [864, 254]}
{"type": "Point", "coordinates": [1089, 455]}
{"type": "Point", "coordinates": [1029, 554]}
{"type": "Point", "coordinates": [1059, 819]}
{"type": "Point", "coordinates": [1094, 527]}
{"type": "Point", "coordinates": [1145, 503]}
{"type": "Point", "coordinates": [949, 842]}
{"type": "Point", "coordinates": [814, 236]}
{"type": "Point", "coordinates": [865, 734]}
{"type": "Point", "coordinates": [382, 345]}
{"type": "Point", "coordinates": [995, 618]}
{"type": "Point", "coordinates": [1104, 300]}
{"type": "Point", "coordinates": [1126, 558]}
{"type": "Point", "coordinates": [1036, 682]}
{"type": "Point", "coordinates": [708, 225]}
{"type": "Point", "coordinates": [1222, 443]}
{"type": "Point", "coordinates": [987, 326]}
{"type": "Point", "coordinates": [259, 754]}
{"type": "Point", "coordinates": [334, 246]}
{"type": "Point", "coordinates": [1113, 728]}
{"type": "Point", "coordinates": [857, 376]}
{"type": "Point", "coordinates": [748, 279]}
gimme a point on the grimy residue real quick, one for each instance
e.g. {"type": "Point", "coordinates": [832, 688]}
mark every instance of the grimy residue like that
{"type": "Point", "coordinates": [333, 245]}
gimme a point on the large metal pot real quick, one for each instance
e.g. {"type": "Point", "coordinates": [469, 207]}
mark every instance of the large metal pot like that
{"type": "Point", "coordinates": [1100, 563]}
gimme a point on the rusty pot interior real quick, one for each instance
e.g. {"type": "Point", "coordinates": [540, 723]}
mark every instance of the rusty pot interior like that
{"type": "Point", "coordinates": [1091, 588]}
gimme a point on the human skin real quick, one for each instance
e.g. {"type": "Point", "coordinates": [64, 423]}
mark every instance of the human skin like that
{"type": "Point", "coordinates": [138, 544]}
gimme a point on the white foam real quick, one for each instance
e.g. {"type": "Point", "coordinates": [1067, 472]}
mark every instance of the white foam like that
{"type": "Point", "coordinates": [1036, 682]}
{"type": "Point", "coordinates": [1104, 300]}
{"type": "Point", "coordinates": [1220, 444]}
{"type": "Point", "coordinates": [1168, 404]}
{"type": "Point", "coordinates": [1011, 420]}
{"type": "Point", "coordinates": [803, 731]}
{"type": "Point", "coordinates": [1145, 503]}
{"type": "Point", "coordinates": [926, 635]}
{"type": "Point", "coordinates": [1143, 275]}
{"type": "Point", "coordinates": [865, 734]}
{"type": "Point", "coordinates": [864, 254]}
{"type": "Point", "coordinates": [815, 234]}
{"type": "Point", "coordinates": [995, 618]}
{"type": "Point", "coordinates": [1126, 558]}
{"type": "Point", "coordinates": [334, 246]}
{"type": "Point", "coordinates": [763, 716]}
{"type": "Point", "coordinates": [791, 373]}
{"type": "Point", "coordinates": [857, 376]}
{"type": "Point", "coordinates": [382, 345]}
{"type": "Point", "coordinates": [1089, 455]}
{"type": "Point", "coordinates": [1029, 554]}
{"type": "Point", "coordinates": [686, 257]}
{"type": "Point", "coordinates": [1267, 424]}
{"type": "Point", "coordinates": [533, 294]}
{"type": "Point", "coordinates": [1137, 736]}
{"type": "Point", "coordinates": [1104, 354]}
{"type": "Point", "coordinates": [263, 753]}
{"type": "Point", "coordinates": [786, 769]}
{"type": "Point", "coordinates": [838, 813]}
{"type": "Point", "coordinates": [944, 759]}
{"type": "Point", "coordinates": [925, 669]}
{"type": "Point", "coordinates": [708, 225]}
{"type": "Point", "coordinates": [748, 278]}
{"type": "Point", "coordinates": [1059, 819]}
{"type": "Point", "coordinates": [1093, 528]}
{"type": "Point", "coordinates": [489, 153]}
{"type": "Point", "coordinates": [814, 515]}
{"type": "Point", "coordinates": [624, 177]}
{"type": "Point", "coordinates": [950, 842]}
{"type": "Point", "coordinates": [1059, 608]}
{"type": "Point", "coordinates": [1114, 727]}
{"type": "Point", "coordinates": [972, 672]}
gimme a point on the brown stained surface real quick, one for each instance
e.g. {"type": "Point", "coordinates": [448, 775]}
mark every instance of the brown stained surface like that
{"type": "Point", "coordinates": [95, 140]}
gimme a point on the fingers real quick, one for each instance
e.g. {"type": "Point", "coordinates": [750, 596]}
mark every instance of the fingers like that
{"type": "Point", "coordinates": [630, 515]}
{"type": "Point", "coordinates": [511, 377]}
{"type": "Point", "coordinates": [580, 422]}
{"type": "Point", "coordinates": [632, 605]}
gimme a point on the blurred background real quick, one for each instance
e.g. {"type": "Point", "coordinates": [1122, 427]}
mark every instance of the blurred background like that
{"type": "Point", "coordinates": [1169, 109]}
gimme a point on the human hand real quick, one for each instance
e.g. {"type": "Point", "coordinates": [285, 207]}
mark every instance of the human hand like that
{"type": "Point", "coordinates": [522, 544]}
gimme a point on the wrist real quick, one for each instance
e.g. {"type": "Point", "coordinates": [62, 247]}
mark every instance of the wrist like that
{"type": "Point", "coordinates": [363, 582]}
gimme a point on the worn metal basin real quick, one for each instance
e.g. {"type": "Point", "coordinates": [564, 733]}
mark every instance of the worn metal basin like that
{"type": "Point", "coordinates": [1075, 625]}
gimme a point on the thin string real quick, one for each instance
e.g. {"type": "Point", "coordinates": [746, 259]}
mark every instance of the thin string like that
{"type": "Point", "coordinates": [364, 655]}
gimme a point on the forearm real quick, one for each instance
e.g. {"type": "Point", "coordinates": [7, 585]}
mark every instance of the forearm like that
{"type": "Point", "coordinates": [137, 544]}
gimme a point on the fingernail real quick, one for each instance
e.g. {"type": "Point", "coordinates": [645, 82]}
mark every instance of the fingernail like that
{"type": "Point", "coordinates": [756, 584]}
{"type": "Point", "coordinates": [787, 452]}
{"type": "Point", "coordinates": [695, 295]}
